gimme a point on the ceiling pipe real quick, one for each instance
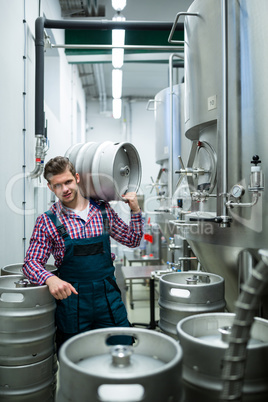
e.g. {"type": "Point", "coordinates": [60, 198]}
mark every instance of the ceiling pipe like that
{"type": "Point", "coordinates": [104, 24]}
{"type": "Point", "coordinates": [40, 24]}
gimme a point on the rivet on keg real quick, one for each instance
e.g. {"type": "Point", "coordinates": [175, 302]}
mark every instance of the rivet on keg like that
{"type": "Point", "coordinates": [124, 171]}
{"type": "Point", "coordinates": [225, 333]}
{"type": "Point", "coordinates": [121, 355]}
{"type": "Point", "coordinates": [22, 283]}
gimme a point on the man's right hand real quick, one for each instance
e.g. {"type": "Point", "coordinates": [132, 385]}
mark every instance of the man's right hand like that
{"type": "Point", "coordinates": [59, 288]}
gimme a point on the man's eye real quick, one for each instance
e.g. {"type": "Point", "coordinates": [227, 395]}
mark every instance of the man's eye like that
{"type": "Point", "coordinates": [68, 182]}
{"type": "Point", "coordinates": [57, 186]}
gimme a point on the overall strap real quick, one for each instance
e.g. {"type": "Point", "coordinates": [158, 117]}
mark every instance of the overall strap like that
{"type": "Point", "coordinates": [60, 227]}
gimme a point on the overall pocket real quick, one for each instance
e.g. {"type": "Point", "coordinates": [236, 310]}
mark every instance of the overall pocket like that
{"type": "Point", "coordinates": [67, 314]}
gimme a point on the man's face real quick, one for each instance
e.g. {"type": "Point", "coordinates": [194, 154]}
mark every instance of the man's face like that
{"type": "Point", "coordinates": [65, 187]}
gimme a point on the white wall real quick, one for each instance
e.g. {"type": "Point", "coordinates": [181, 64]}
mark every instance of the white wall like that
{"type": "Point", "coordinates": [23, 198]}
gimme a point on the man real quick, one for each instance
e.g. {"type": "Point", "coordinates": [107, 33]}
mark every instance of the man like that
{"type": "Point", "coordinates": [76, 231]}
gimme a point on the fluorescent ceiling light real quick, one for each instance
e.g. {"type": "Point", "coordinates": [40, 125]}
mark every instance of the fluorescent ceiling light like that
{"type": "Point", "coordinates": [117, 58]}
{"type": "Point", "coordinates": [117, 108]}
{"type": "Point", "coordinates": [118, 37]}
{"type": "Point", "coordinates": [119, 5]}
{"type": "Point", "coordinates": [117, 77]}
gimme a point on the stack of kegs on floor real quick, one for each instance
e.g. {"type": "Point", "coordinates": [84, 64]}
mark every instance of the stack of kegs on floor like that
{"type": "Point", "coordinates": [28, 363]}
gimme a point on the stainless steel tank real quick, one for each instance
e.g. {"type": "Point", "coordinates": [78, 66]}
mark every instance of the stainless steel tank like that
{"type": "Point", "coordinates": [204, 339]}
{"type": "Point", "coordinates": [148, 371]}
{"type": "Point", "coordinates": [27, 349]}
{"type": "Point", "coordinates": [226, 87]}
{"type": "Point", "coordinates": [16, 269]}
{"type": "Point", "coordinates": [182, 294]}
{"type": "Point", "coordinates": [107, 170]}
{"type": "Point", "coordinates": [170, 143]}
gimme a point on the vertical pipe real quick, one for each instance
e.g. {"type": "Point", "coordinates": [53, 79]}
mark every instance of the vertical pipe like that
{"type": "Point", "coordinates": [223, 138]}
{"type": "Point", "coordinates": [39, 76]}
{"type": "Point", "coordinates": [170, 176]}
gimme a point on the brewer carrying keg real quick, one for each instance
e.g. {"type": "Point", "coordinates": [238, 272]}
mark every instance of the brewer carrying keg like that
{"type": "Point", "coordinates": [76, 231]}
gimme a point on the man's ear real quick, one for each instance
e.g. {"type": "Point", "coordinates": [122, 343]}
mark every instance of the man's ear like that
{"type": "Point", "coordinates": [49, 186]}
{"type": "Point", "coordinates": [77, 177]}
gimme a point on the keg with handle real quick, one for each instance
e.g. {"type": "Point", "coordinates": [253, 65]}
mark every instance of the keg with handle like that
{"type": "Point", "coordinates": [182, 294]}
{"type": "Point", "coordinates": [148, 371]}
{"type": "Point", "coordinates": [27, 350]}
{"type": "Point", "coordinates": [107, 170]}
{"type": "Point", "coordinates": [204, 340]}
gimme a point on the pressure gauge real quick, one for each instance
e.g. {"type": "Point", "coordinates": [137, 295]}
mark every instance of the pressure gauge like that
{"type": "Point", "coordinates": [237, 191]}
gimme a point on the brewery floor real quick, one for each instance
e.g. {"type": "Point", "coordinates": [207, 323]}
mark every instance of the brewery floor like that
{"type": "Point", "coordinates": [140, 313]}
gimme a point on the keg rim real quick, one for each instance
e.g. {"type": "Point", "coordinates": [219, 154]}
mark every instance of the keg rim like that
{"type": "Point", "coordinates": [107, 332]}
{"type": "Point", "coordinates": [184, 336]}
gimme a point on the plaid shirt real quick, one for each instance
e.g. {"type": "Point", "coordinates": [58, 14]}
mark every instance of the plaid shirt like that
{"type": "Point", "coordinates": [46, 240]}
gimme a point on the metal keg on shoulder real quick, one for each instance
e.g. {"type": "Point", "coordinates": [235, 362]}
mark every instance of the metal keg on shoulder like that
{"type": "Point", "coordinates": [204, 339]}
{"type": "Point", "coordinates": [186, 293]}
{"type": "Point", "coordinates": [107, 170]}
{"type": "Point", "coordinates": [148, 371]}
{"type": "Point", "coordinates": [27, 349]}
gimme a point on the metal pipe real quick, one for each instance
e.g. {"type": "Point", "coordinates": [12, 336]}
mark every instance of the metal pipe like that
{"type": "Point", "coordinates": [170, 173]}
{"type": "Point", "coordinates": [126, 47]}
{"type": "Point", "coordinates": [105, 24]}
{"type": "Point", "coordinates": [223, 142]}
{"type": "Point", "coordinates": [39, 76]}
{"type": "Point", "coordinates": [234, 362]}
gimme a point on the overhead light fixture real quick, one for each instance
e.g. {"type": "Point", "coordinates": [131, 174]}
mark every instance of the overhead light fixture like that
{"type": "Point", "coordinates": [117, 77]}
{"type": "Point", "coordinates": [117, 108]}
{"type": "Point", "coordinates": [118, 39]}
{"type": "Point", "coordinates": [119, 5]}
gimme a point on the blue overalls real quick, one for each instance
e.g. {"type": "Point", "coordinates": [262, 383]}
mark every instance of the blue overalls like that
{"type": "Point", "coordinates": [88, 266]}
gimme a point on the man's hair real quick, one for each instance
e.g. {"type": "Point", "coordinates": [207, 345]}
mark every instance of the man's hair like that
{"type": "Point", "coordinates": [58, 165]}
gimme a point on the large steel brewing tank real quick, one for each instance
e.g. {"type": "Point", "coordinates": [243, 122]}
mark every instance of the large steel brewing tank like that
{"type": "Point", "coordinates": [226, 119]}
{"type": "Point", "coordinates": [148, 371]}
{"type": "Point", "coordinates": [27, 351]}
{"type": "Point", "coordinates": [168, 147]}
{"type": "Point", "coordinates": [204, 339]}
{"type": "Point", "coordinates": [182, 294]}
{"type": "Point", "coordinates": [107, 170]}
{"type": "Point", "coordinates": [16, 269]}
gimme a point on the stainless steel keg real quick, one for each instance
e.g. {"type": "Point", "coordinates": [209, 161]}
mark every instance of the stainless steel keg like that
{"type": "Point", "coordinates": [27, 325]}
{"type": "Point", "coordinates": [16, 269]}
{"type": "Point", "coordinates": [148, 371]}
{"type": "Point", "coordinates": [29, 383]}
{"type": "Point", "coordinates": [28, 363]}
{"type": "Point", "coordinates": [182, 294]}
{"type": "Point", "coordinates": [107, 170]}
{"type": "Point", "coordinates": [204, 339]}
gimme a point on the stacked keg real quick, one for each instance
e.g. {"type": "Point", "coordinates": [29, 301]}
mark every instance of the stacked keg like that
{"type": "Point", "coordinates": [28, 364]}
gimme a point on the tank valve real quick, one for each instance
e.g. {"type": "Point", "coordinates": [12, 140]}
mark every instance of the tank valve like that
{"type": "Point", "coordinates": [256, 185]}
{"type": "Point", "coordinates": [256, 176]}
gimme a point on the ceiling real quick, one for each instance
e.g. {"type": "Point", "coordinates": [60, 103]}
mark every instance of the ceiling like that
{"type": "Point", "coordinates": [145, 72]}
